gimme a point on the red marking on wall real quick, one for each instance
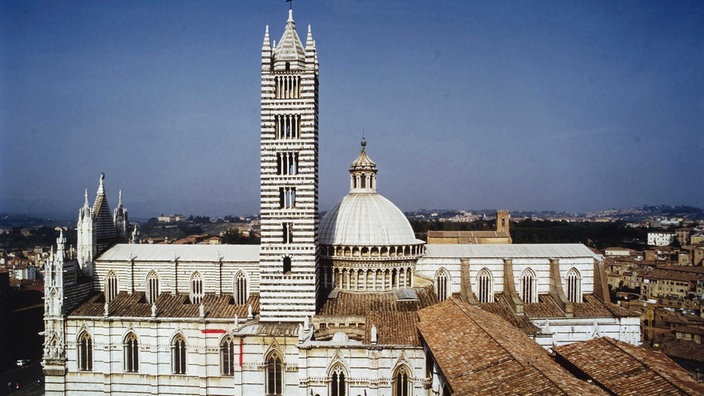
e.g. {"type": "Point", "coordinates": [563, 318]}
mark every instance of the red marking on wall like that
{"type": "Point", "coordinates": [213, 331]}
{"type": "Point", "coordinates": [241, 347]}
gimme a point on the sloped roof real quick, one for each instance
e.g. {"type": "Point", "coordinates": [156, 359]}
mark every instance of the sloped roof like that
{"type": "Point", "coordinates": [183, 253]}
{"type": "Point", "coordinates": [167, 306]}
{"type": "Point", "coordinates": [681, 349]}
{"type": "Point", "coordinates": [556, 250]}
{"type": "Point", "coordinates": [394, 319]}
{"type": "Point", "coordinates": [625, 369]}
{"type": "Point", "coordinates": [480, 353]}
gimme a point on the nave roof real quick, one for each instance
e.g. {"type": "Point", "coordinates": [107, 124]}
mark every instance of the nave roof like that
{"type": "Point", "coordinates": [556, 250]}
{"type": "Point", "coordinates": [168, 305]}
{"type": "Point", "coordinates": [194, 253]}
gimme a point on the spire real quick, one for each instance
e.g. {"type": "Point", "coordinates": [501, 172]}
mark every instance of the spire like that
{"type": "Point", "coordinates": [61, 244]}
{"type": "Point", "coordinates": [310, 43]}
{"type": "Point", "coordinates": [101, 186]}
{"type": "Point", "coordinates": [119, 198]}
{"type": "Point", "coordinates": [267, 41]}
{"type": "Point", "coordinates": [85, 203]}
{"type": "Point", "coordinates": [105, 233]}
{"type": "Point", "coordinates": [289, 53]}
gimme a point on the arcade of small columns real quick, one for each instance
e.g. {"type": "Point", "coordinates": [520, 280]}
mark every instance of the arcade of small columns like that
{"type": "Point", "coordinates": [364, 268]}
{"type": "Point", "coordinates": [287, 87]}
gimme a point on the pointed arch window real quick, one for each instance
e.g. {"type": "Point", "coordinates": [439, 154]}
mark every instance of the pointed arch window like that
{"type": "Point", "coordinates": [85, 352]}
{"type": "Point", "coordinates": [110, 286]}
{"type": "Point", "coordinates": [131, 353]}
{"type": "Point", "coordinates": [484, 286]}
{"type": "Point", "coordinates": [178, 355]}
{"type": "Point", "coordinates": [274, 375]}
{"type": "Point", "coordinates": [402, 382]}
{"type": "Point", "coordinates": [338, 383]}
{"type": "Point", "coordinates": [227, 356]}
{"type": "Point", "coordinates": [196, 288]}
{"type": "Point", "coordinates": [528, 287]}
{"type": "Point", "coordinates": [240, 290]}
{"type": "Point", "coordinates": [441, 284]}
{"type": "Point", "coordinates": [574, 286]}
{"type": "Point", "coordinates": [152, 287]}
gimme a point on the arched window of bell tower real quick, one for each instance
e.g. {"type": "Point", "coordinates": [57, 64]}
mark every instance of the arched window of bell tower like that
{"type": "Point", "coordinates": [287, 265]}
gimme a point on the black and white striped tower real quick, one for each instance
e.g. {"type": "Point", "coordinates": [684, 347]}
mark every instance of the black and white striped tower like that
{"type": "Point", "coordinates": [289, 177]}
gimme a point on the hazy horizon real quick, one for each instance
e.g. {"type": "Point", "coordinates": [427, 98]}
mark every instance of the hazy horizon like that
{"type": "Point", "coordinates": [566, 107]}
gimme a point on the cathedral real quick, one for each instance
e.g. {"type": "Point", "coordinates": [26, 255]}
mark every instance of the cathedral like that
{"type": "Point", "coordinates": [350, 304]}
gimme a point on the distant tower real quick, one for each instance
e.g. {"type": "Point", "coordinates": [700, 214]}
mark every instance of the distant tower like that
{"type": "Point", "coordinates": [54, 359]}
{"type": "Point", "coordinates": [120, 219]}
{"type": "Point", "coordinates": [85, 244]}
{"type": "Point", "coordinates": [134, 239]}
{"type": "Point", "coordinates": [96, 228]}
{"type": "Point", "coordinates": [289, 177]}
{"type": "Point", "coordinates": [502, 221]}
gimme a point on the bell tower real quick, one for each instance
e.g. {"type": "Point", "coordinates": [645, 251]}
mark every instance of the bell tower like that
{"type": "Point", "coordinates": [289, 177]}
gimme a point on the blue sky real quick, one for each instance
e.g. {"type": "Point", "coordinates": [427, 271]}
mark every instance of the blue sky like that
{"type": "Point", "coordinates": [547, 105]}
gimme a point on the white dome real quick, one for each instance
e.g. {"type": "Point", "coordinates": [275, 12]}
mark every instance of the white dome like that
{"type": "Point", "coordinates": [366, 219]}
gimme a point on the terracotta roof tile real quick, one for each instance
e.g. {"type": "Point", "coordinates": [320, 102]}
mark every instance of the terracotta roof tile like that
{"type": "Point", "coordinates": [544, 308]}
{"type": "Point", "coordinates": [393, 328]}
{"type": "Point", "coordinates": [683, 350]}
{"type": "Point", "coordinates": [626, 369]}
{"type": "Point", "coordinates": [395, 319]}
{"type": "Point", "coordinates": [502, 309]}
{"type": "Point", "coordinates": [167, 306]}
{"type": "Point", "coordinates": [359, 304]}
{"type": "Point", "coordinates": [479, 353]}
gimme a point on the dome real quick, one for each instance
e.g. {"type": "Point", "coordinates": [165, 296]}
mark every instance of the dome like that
{"type": "Point", "coordinates": [366, 219]}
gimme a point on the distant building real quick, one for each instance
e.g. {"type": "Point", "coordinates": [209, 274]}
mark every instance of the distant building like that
{"type": "Point", "coordinates": [618, 251]}
{"type": "Point", "coordinates": [661, 238]}
{"type": "Point", "coordinates": [25, 272]}
{"type": "Point", "coordinates": [500, 236]}
{"type": "Point", "coordinates": [171, 218]}
{"type": "Point", "coordinates": [683, 236]}
{"type": "Point", "coordinates": [696, 238]}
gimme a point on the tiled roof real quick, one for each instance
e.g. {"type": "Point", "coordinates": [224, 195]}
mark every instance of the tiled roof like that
{"type": "Point", "coordinates": [502, 309]}
{"type": "Point", "coordinates": [394, 319]}
{"type": "Point", "coordinates": [592, 307]}
{"type": "Point", "coordinates": [359, 304]}
{"type": "Point", "coordinates": [544, 308]}
{"type": "Point", "coordinates": [683, 350]}
{"type": "Point", "coordinates": [393, 328]}
{"type": "Point", "coordinates": [167, 306]}
{"type": "Point", "coordinates": [662, 274]}
{"type": "Point", "coordinates": [479, 353]}
{"type": "Point", "coordinates": [625, 369]}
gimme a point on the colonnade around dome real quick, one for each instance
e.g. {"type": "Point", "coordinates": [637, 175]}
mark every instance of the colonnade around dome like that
{"type": "Point", "coordinates": [407, 251]}
{"type": "Point", "coordinates": [368, 279]}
